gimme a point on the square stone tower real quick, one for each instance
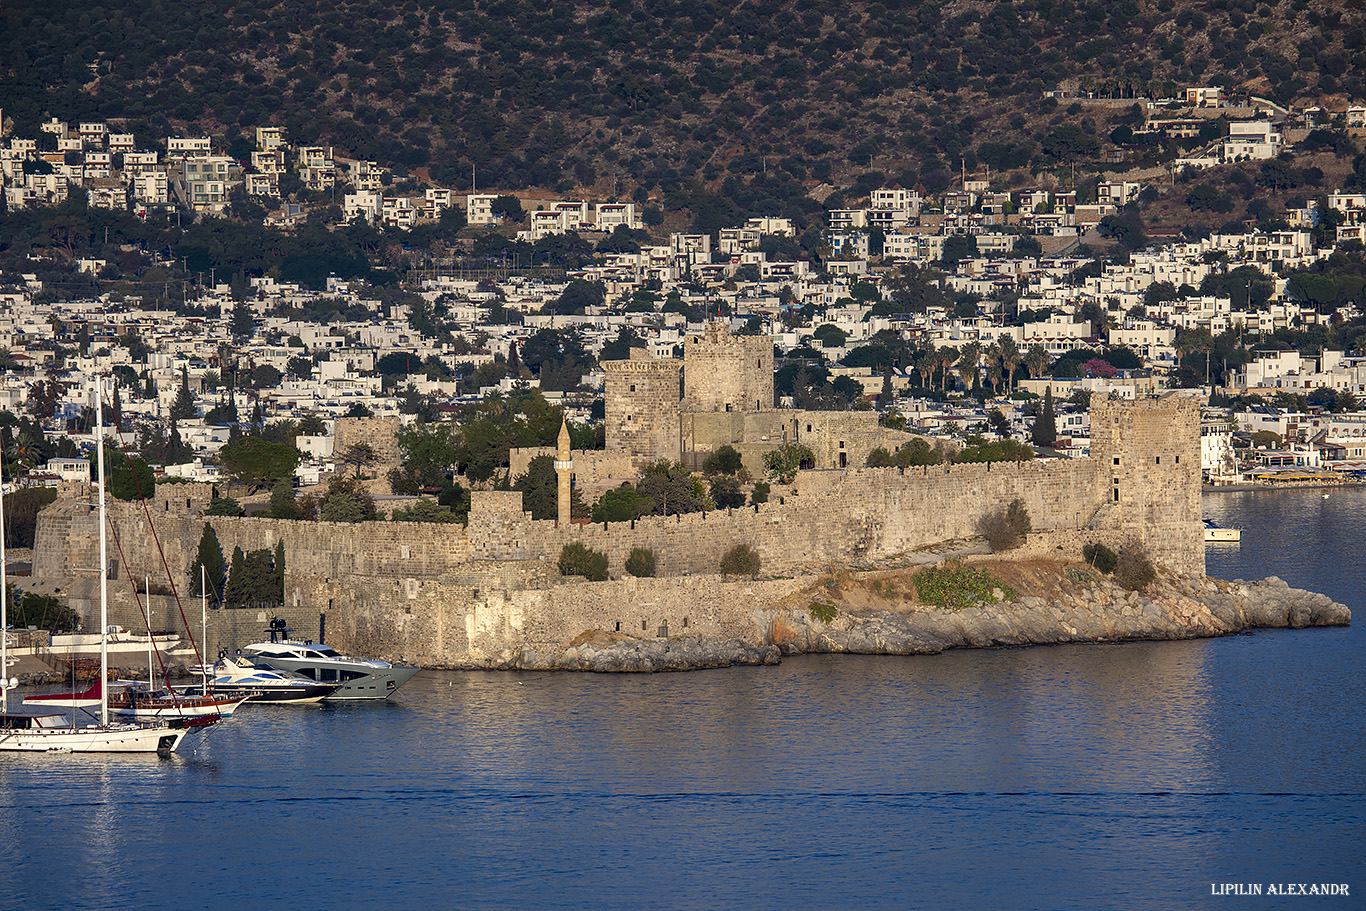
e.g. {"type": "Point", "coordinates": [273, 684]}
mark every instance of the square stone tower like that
{"type": "Point", "coordinates": [1147, 462]}
{"type": "Point", "coordinates": [643, 400]}
{"type": "Point", "coordinates": [724, 372]}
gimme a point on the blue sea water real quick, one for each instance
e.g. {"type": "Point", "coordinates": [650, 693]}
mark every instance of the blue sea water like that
{"type": "Point", "coordinates": [1092, 776]}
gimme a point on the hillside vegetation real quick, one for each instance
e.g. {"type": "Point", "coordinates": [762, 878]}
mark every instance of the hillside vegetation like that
{"type": "Point", "coordinates": [646, 97]}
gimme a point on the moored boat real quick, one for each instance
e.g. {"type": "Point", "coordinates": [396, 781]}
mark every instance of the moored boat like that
{"type": "Point", "coordinates": [359, 678]}
{"type": "Point", "coordinates": [238, 677]}
{"type": "Point", "coordinates": [54, 732]}
{"type": "Point", "coordinates": [1217, 533]}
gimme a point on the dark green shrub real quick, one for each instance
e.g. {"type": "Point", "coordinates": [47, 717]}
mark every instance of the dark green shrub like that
{"type": "Point", "coordinates": [224, 506]}
{"type": "Point", "coordinates": [725, 460]}
{"type": "Point", "coordinates": [1134, 570]}
{"type": "Point", "coordinates": [740, 560]}
{"type": "Point", "coordinates": [726, 493]}
{"type": "Point", "coordinates": [825, 613]}
{"type": "Point", "coordinates": [880, 458]}
{"type": "Point", "coordinates": [1100, 557]}
{"type": "Point", "coordinates": [1005, 528]}
{"type": "Point", "coordinates": [44, 612]}
{"type": "Point", "coordinates": [760, 492]}
{"type": "Point", "coordinates": [641, 562]}
{"type": "Point", "coordinates": [21, 514]}
{"type": "Point", "coordinates": [579, 560]}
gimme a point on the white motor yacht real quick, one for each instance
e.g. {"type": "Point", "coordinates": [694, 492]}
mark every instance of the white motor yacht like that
{"type": "Point", "coordinates": [242, 677]}
{"type": "Point", "coordinates": [359, 678]}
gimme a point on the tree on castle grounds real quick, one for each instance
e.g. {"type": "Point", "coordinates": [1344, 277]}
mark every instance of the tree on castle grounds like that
{"type": "Point", "coordinates": [208, 568]}
{"type": "Point", "coordinates": [130, 478]}
{"type": "Point", "coordinates": [1006, 527]}
{"type": "Point", "coordinates": [741, 560]}
{"type": "Point", "coordinates": [347, 500]}
{"type": "Point", "coordinates": [360, 455]}
{"type": "Point", "coordinates": [641, 562]}
{"type": "Point", "coordinates": [257, 463]}
{"type": "Point", "coordinates": [428, 454]}
{"type": "Point", "coordinates": [783, 463]}
{"type": "Point", "coordinates": [725, 460]}
{"type": "Point", "coordinates": [913, 453]}
{"type": "Point", "coordinates": [726, 492]}
{"type": "Point", "coordinates": [577, 559]}
{"type": "Point", "coordinates": [541, 492]}
{"type": "Point", "coordinates": [981, 450]}
{"type": "Point", "coordinates": [425, 511]}
{"type": "Point", "coordinates": [252, 579]}
{"type": "Point", "coordinates": [283, 503]}
{"type": "Point", "coordinates": [673, 489]}
{"type": "Point", "coordinates": [224, 506]}
{"type": "Point", "coordinates": [622, 504]}
{"type": "Point", "coordinates": [42, 611]}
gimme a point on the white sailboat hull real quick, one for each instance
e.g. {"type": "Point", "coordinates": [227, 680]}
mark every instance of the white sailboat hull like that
{"type": "Point", "coordinates": [114, 739]}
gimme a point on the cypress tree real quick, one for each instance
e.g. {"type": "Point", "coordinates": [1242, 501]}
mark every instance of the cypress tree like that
{"type": "Point", "coordinates": [210, 558]}
{"type": "Point", "coordinates": [280, 570]}
{"type": "Point", "coordinates": [1045, 431]}
{"type": "Point", "coordinates": [243, 320]}
{"type": "Point", "coordinates": [233, 593]}
{"type": "Point", "coordinates": [183, 407]}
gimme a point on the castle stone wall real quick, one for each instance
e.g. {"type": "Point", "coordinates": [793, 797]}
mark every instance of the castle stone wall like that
{"type": "Point", "coordinates": [444, 595]}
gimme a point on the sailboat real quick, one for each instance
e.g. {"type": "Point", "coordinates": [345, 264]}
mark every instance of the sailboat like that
{"type": "Point", "coordinates": [56, 732]}
{"type": "Point", "coordinates": [135, 699]}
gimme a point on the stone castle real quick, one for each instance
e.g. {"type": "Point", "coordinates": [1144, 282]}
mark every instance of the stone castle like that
{"type": "Point", "coordinates": [487, 593]}
{"type": "Point", "coordinates": [720, 393]}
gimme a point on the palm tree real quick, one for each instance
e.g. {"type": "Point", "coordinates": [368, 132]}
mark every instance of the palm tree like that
{"type": "Point", "coordinates": [1036, 360]}
{"type": "Point", "coordinates": [926, 361]}
{"type": "Point", "coordinates": [991, 360]}
{"type": "Point", "coordinates": [994, 373]}
{"type": "Point", "coordinates": [945, 357]}
{"type": "Point", "coordinates": [1011, 358]}
{"type": "Point", "coordinates": [968, 358]}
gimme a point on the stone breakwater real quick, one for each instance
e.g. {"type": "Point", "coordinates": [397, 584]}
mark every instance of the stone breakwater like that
{"type": "Point", "coordinates": [877, 614]}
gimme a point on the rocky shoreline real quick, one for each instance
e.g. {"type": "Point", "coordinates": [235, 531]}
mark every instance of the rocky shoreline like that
{"type": "Point", "coordinates": [877, 613]}
{"type": "Point", "coordinates": [1089, 609]}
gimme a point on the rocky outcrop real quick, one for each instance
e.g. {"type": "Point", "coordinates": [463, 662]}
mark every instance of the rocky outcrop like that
{"type": "Point", "coordinates": [1097, 610]}
{"type": "Point", "coordinates": [602, 652]}
{"type": "Point", "coordinates": [1072, 605]}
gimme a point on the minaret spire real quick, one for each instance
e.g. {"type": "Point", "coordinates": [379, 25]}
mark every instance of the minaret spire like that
{"type": "Point", "coordinates": [564, 472]}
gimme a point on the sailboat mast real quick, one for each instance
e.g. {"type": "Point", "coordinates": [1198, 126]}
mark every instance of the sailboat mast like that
{"type": "Point", "coordinates": [204, 628]}
{"type": "Point", "coordinates": [4, 602]}
{"type": "Point", "coordinates": [147, 587]}
{"type": "Point", "coordinates": [104, 558]}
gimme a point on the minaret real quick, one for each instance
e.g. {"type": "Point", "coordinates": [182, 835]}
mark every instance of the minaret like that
{"type": "Point", "coordinates": [564, 470]}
